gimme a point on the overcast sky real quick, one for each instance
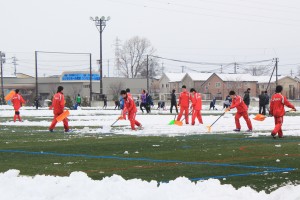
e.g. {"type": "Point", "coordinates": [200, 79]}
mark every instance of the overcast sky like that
{"type": "Point", "coordinates": [220, 31]}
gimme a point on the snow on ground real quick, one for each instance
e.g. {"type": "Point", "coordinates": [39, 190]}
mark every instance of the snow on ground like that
{"type": "Point", "coordinates": [79, 186]}
{"type": "Point", "coordinates": [96, 121]}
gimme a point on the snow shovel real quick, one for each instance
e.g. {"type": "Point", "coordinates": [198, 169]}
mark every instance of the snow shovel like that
{"type": "Point", "coordinates": [10, 95]}
{"type": "Point", "coordinates": [260, 117]}
{"type": "Point", "coordinates": [172, 122]}
{"type": "Point", "coordinates": [180, 123]}
{"type": "Point", "coordinates": [119, 118]}
{"type": "Point", "coordinates": [209, 127]}
{"type": "Point", "coordinates": [62, 116]}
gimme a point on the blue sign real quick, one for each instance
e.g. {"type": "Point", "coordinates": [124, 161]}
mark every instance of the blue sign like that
{"type": "Point", "coordinates": [80, 77]}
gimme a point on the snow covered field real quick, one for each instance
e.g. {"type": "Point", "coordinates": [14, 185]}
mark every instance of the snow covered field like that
{"type": "Point", "coordinates": [95, 121]}
{"type": "Point", "coordinates": [79, 186]}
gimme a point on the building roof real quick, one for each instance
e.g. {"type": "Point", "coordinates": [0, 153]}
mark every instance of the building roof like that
{"type": "Point", "coordinates": [265, 79]}
{"type": "Point", "coordinates": [237, 77]}
{"type": "Point", "coordinates": [199, 76]}
{"type": "Point", "coordinates": [175, 77]}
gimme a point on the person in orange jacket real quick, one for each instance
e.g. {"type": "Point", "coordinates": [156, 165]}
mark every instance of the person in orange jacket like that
{"type": "Point", "coordinates": [242, 111]}
{"type": "Point", "coordinates": [58, 105]}
{"type": "Point", "coordinates": [196, 100]}
{"type": "Point", "coordinates": [130, 106]}
{"type": "Point", "coordinates": [17, 101]}
{"type": "Point", "coordinates": [278, 101]}
{"type": "Point", "coordinates": [124, 111]}
{"type": "Point", "coordinates": [184, 103]}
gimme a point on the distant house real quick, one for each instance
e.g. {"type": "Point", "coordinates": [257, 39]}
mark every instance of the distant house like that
{"type": "Point", "coordinates": [219, 85]}
{"type": "Point", "coordinates": [265, 83]}
{"type": "Point", "coordinates": [195, 80]}
{"type": "Point", "coordinates": [291, 85]}
{"type": "Point", "coordinates": [168, 82]}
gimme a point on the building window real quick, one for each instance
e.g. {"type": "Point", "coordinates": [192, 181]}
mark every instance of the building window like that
{"type": "Point", "coordinates": [218, 84]}
{"type": "Point", "coordinates": [239, 85]}
{"type": "Point", "coordinates": [162, 85]}
{"type": "Point", "coordinates": [86, 86]}
{"type": "Point", "coordinates": [246, 84]}
{"type": "Point", "coordinates": [208, 84]}
{"type": "Point", "coordinates": [167, 85]}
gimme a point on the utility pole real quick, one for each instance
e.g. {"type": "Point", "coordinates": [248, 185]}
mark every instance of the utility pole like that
{"type": "Point", "coordinates": [292, 73]}
{"type": "Point", "coordinates": [221, 69]}
{"type": "Point", "coordinates": [148, 73]}
{"type": "Point", "coordinates": [2, 60]}
{"type": "Point", "coordinates": [36, 82]}
{"type": "Point", "coordinates": [91, 81]}
{"type": "Point", "coordinates": [182, 70]}
{"type": "Point", "coordinates": [14, 62]}
{"type": "Point", "coordinates": [162, 67]}
{"type": "Point", "coordinates": [276, 66]}
{"type": "Point", "coordinates": [100, 25]}
{"type": "Point", "coordinates": [235, 66]}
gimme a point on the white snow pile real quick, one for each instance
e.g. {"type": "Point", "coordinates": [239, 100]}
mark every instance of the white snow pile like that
{"type": "Point", "coordinates": [79, 186]}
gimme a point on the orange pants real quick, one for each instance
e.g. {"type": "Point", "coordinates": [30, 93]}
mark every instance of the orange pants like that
{"type": "Point", "coordinates": [133, 122]}
{"type": "Point", "coordinates": [186, 114]}
{"type": "Point", "coordinates": [246, 117]}
{"type": "Point", "coordinates": [54, 122]}
{"type": "Point", "coordinates": [17, 116]}
{"type": "Point", "coordinates": [196, 113]}
{"type": "Point", "coordinates": [278, 125]}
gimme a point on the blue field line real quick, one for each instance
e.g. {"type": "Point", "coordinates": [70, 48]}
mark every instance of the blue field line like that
{"type": "Point", "coordinates": [245, 174]}
{"type": "Point", "coordinates": [141, 159]}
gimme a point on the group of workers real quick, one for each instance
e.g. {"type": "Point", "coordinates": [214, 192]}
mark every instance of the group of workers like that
{"type": "Point", "coordinates": [189, 102]}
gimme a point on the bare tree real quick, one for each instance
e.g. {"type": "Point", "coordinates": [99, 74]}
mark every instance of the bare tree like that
{"type": "Point", "coordinates": [52, 90]}
{"type": "Point", "coordinates": [115, 89]}
{"type": "Point", "coordinates": [75, 91]}
{"type": "Point", "coordinates": [133, 57]}
{"type": "Point", "coordinates": [258, 70]}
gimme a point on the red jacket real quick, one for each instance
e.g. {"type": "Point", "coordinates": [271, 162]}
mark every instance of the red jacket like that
{"type": "Point", "coordinates": [17, 101]}
{"type": "Point", "coordinates": [278, 101]}
{"type": "Point", "coordinates": [184, 99]}
{"type": "Point", "coordinates": [196, 100]}
{"type": "Point", "coordinates": [129, 95]}
{"type": "Point", "coordinates": [58, 103]}
{"type": "Point", "coordinates": [129, 104]}
{"type": "Point", "coordinates": [239, 104]}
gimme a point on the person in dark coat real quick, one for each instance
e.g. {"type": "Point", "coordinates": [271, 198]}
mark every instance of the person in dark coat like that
{"type": "Point", "coordinates": [105, 102]}
{"type": "Point", "coordinates": [213, 104]}
{"type": "Point", "coordinates": [267, 101]}
{"type": "Point", "coordinates": [173, 102]}
{"type": "Point", "coordinates": [262, 103]}
{"type": "Point", "coordinates": [149, 102]}
{"type": "Point", "coordinates": [247, 97]}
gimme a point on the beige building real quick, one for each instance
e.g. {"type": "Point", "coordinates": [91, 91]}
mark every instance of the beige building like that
{"type": "Point", "coordinates": [47, 86]}
{"type": "Point", "coordinates": [195, 80]}
{"type": "Point", "coordinates": [219, 85]}
{"type": "Point", "coordinates": [291, 86]}
{"type": "Point", "coordinates": [168, 82]}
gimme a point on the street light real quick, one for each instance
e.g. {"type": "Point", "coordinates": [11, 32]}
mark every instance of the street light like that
{"type": "Point", "coordinates": [2, 60]}
{"type": "Point", "coordinates": [100, 24]}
